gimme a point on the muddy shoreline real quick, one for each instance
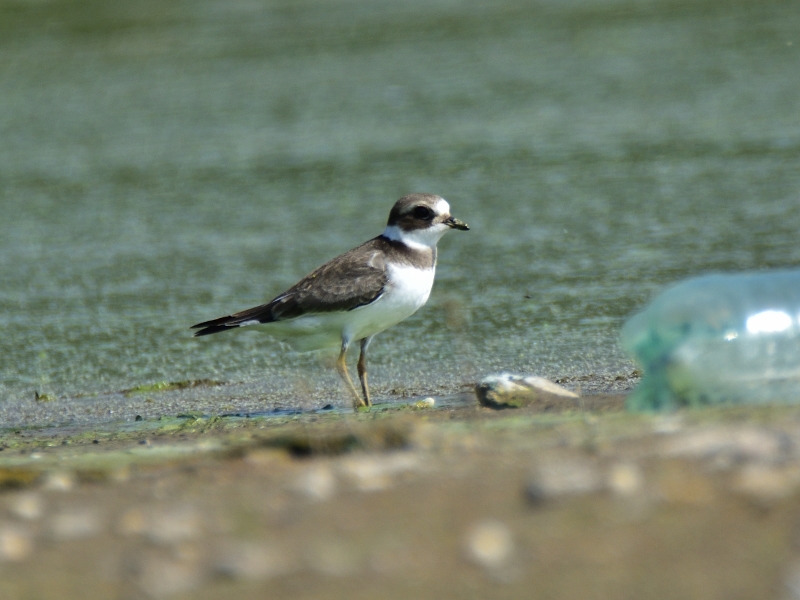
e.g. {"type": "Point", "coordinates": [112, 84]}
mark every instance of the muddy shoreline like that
{"type": "Point", "coordinates": [558, 501]}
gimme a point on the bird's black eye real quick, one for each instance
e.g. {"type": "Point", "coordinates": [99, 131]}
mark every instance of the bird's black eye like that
{"type": "Point", "coordinates": [422, 212]}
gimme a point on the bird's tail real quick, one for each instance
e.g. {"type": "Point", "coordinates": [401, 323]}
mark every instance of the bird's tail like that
{"type": "Point", "coordinates": [251, 316]}
{"type": "Point", "coordinates": [214, 326]}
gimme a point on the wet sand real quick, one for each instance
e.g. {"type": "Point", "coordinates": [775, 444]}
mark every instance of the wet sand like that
{"type": "Point", "coordinates": [565, 500]}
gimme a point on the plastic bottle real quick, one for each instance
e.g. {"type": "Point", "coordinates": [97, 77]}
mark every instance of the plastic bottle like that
{"type": "Point", "coordinates": [718, 338]}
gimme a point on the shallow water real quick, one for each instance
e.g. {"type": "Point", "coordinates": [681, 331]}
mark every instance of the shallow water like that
{"type": "Point", "coordinates": [164, 163]}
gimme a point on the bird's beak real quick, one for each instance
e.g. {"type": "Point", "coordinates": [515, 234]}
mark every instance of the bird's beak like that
{"type": "Point", "coordinates": [456, 224]}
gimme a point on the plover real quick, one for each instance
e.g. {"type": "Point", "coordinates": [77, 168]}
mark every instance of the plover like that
{"type": "Point", "coordinates": [359, 293]}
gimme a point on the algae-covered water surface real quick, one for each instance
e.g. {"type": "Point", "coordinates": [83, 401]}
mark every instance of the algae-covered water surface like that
{"type": "Point", "coordinates": [163, 163]}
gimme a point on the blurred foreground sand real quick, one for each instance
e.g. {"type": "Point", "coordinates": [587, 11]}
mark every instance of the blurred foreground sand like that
{"type": "Point", "coordinates": [562, 501]}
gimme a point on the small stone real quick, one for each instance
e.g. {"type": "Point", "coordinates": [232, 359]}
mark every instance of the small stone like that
{"type": "Point", "coordinates": [317, 482]}
{"type": "Point", "coordinates": [625, 479]}
{"type": "Point", "coordinates": [27, 506]}
{"type": "Point", "coordinates": [375, 473]}
{"type": "Point", "coordinates": [563, 478]}
{"type": "Point", "coordinates": [16, 544]}
{"type": "Point", "coordinates": [766, 483]}
{"type": "Point", "coordinates": [174, 525]}
{"type": "Point", "coordinates": [59, 481]}
{"type": "Point", "coordinates": [425, 403]}
{"type": "Point", "coordinates": [516, 391]}
{"type": "Point", "coordinates": [75, 524]}
{"type": "Point", "coordinates": [728, 445]}
{"type": "Point", "coordinates": [161, 578]}
{"type": "Point", "coordinates": [265, 457]}
{"type": "Point", "coordinates": [120, 474]}
{"type": "Point", "coordinates": [667, 424]}
{"type": "Point", "coordinates": [490, 544]}
{"type": "Point", "coordinates": [132, 522]}
{"type": "Point", "coordinates": [253, 560]}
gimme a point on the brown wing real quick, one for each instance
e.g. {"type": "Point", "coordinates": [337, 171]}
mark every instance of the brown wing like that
{"type": "Point", "coordinates": [353, 279]}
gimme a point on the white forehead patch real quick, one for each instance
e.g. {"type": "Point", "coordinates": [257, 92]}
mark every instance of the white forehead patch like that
{"type": "Point", "coordinates": [442, 207]}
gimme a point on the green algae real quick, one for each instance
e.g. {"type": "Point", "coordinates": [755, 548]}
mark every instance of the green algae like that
{"type": "Point", "coordinates": [168, 386]}
{"type": "Point", "coordinates": [17, 477]}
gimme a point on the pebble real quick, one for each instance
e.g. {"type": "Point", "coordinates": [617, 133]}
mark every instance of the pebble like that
{"type": "Point", "coordinates": [161, 578]}
{"type": "Point", "coordinates": [59, 481]}
{"type": "Point", "coordinates": [132, 522]}
{"type": "Point", "coordinates": [27, 506]}
{"type": "Point", "coordinates": [667, 424]}
{"type": "Point", "coordinates": [515, 391]}
{"type": "Point", "coordinates": [625, 479]}
{"type": "Point", "coordinates": [162, 526]}
{"type": "Point", "coordinates": [265, 457]}
{"type": "Point", "coordinates": [16, 544]}
{"type": "Point", "coordinates": [490, 544]}
{"type": "Point", "coordinates": [173, 525]}
{"type": "Point", "coordinates": [563, 478]}
{"type": "Point", "coordinates": [767, 483]}
{"type": "Point", "coordinates": [425, 403]}
{"type": "Point", "coordinates": [253, 560]}
{"type": "Point", "coordinates": [120, 474]}
{"type": "Point", "coordinates": [727, 445]}
{"type": "Point", "coordinates": [375, 473]}
{"type": "Point", "coordinates": [317, 483]}
{"type": "Point", "coordinates": [75, 524]}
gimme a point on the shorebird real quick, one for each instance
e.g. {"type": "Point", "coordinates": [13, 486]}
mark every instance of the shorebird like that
{"type": "Point", "coordinates": [359, 293]}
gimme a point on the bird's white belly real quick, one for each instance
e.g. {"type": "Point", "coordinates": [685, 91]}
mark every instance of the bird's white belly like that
{"type": "Point", "coordinates": [408, 289]}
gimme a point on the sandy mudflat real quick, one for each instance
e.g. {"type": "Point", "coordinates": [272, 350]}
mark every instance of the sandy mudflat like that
{"type": "Point", "coordinates": [460, 502]}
